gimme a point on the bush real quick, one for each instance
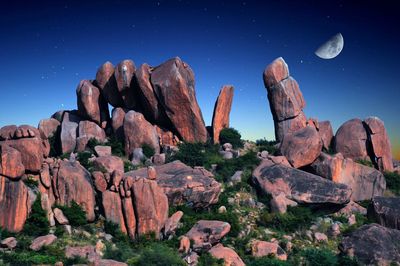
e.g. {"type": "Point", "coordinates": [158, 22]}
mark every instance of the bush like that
{"type": "Point", "coordinates": [128, 166]}
{"type": "Point", "coordinates": [393, 182]}
{"type": "Point", "coordinates": [197, 154]}
{"type": "Point", "coordinates": [227, 168]}
{"type": "Point", "coordinates": [37, 223]}
{"type": "Point", "coordinates": [31, 182]}
{"type": "Point", "coordinates": [117, 146]}
{"type": "Point", "coordinates": [93, 142]}
{"type": "Point", "coordinates": [148, 151]}
{"type": "Point", "coordinates": [365, 162]}
{"type": "Point", "coordinates": [232, 136]}
{"type": "Point", "coordinates": [83, 158]}
{"type": "Point", "coordinates": [266, 145]}
{"type": "Point", "coordinates": [114, 230]}
{"type": "Point", "coordinates": [295, 218]}
{"type": "Point", "coordinates": [266, 261]}
{"type": "Point", "coordinates": [319, 257]}
{"type": "Point", "coordinates": [74, 213]}
{"type": "Point", "coordinates": [158, 254]}
{"type": "Point", "coordinates": [207, 260]}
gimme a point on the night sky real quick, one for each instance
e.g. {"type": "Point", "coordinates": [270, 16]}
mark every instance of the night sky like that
{"type": "Point", "coordinates": [48, 47]}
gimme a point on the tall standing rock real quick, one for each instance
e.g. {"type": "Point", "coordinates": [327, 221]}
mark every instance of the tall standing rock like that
{"type": "Point", "coordinates": [285, 99]}
{"type": "Point", "coordinates": [351, 140]}
{"type": "Point", "coordinates": [14, 204]}
{"type": "Point", "coordinates": [380, 143]}
{"type": "Point", "coordinates": [173, 83]}
{"type": "Point", "coordinates": [91, 104]}
{"type": "Point", "coordinates": [113, 208]}
{"type": "Point", "coordinates": [117, 123]}
{"type": "Point", "coordinates": [139, 131]}
{"type": "Point", "coordinates": [105, 81]}
{"type": "Point", "coordinates": [126, 83]}
{"type": "Point", "coordinates": [222, 110]}
{"type": "Point", "coordinates": [69, 132]}
{"type": "Point", "coordinates": [326, 132]}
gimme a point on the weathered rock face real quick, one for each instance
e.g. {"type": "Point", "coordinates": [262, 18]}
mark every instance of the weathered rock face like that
{"type": "Point", "coordinates": [298, 185]}
{"type": "Point", "coordinates": [49, 127]}
{"type": "Point", "coordinates": [230, 257]}
{"type": "Point", "coordinates": [380, 143]}
{"type": "Point", "coordinates": [173, 83]}
{"type": "Point", "coordinates": [42, 241]}
{"type": "Point", "coordinates": [222, 110]}
{"type": "Point", "coordinates": [138, 131]}
{"type": "Point", "coordinates": [373, 244]}
{"type": "Point", "coordinates": [73, 183]}
{"type": "Point", "coordinates": [285, 98]}
{"type": "Point", "coordinates": [117, 123]}
{"type": "Point", "coordinates": [264, 248]}
{"type": "Point", "coordinates": [326, 132]}
{"type": "Point", "coordinates": [109, 163]}
{"type": "Point", "coordinates": [105, 81]}
{"type": "Point", "coordinates": [69, 132]}
{"type": "Point", "coordinates": [11, 164]}
{"type": "Point", "coordinates": [113, 208]}
{"type": "Point", "coordinates": [205, 233]}
{"type": "Point", "coordinates": [88, 130]}
{"type": "Point", "coordinates": [172, 223]}
{"type": "Point", "coordinates": [365, 182]}
{"type": "Point", "coordinates": [7, 132]}
{"type": "Point", "coordinates": [183, 184]}
{"type": "Point", "coordinates": [126, 83]}
{"type": "Point", "coordinates": [14, 204]}
{"type": "Point", "coordinates": [386, 211]}
{"type": "Point", "coordinates": [351, 140]}
{"type": "Point", "coordinates": [91, 104]}
{"type": "Point", "coordinates": [302, 147]}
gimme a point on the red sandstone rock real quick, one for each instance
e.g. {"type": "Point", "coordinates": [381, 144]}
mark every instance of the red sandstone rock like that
{"type": "Point", "coordinates": [7, 132]}
{"type": "Point", "coordinates": [264, 248]}
{"type": "Point", "coordinates": [99, 181]}
{"type": "Point", "coordinates": [230, 257]}
{"type": "Point", "coordinates": [69, 130]}
{"type": "Point", "coordinates": [105, 81]}
{"type": "Point", "coordinates": [117, 123]}
{"type": "Point", "coordinates": [172, 223]}
{"type": "Point", "coordinates": [11, 164]}
{"type": "Point", "coordinates": [351, 140]}
{"type": "Point", "coordinates": [42, 241]}
{"type": "Point", "coordinates": [222, 110]}
{"type": "Point", "coordinates": [109, 163]}
{"type": "Point", "coordinates": [113, 209]}
{"type": "Point", "coordinates": [126, 83]}
{"type": "Point", "coordinates": [205, 233]}
{"type": "Point", "coordinates": [49, 127]}
{"type": "Point", "coordinates": [326, 133]}
{"type": "Point", "coordinates": [275, 72]}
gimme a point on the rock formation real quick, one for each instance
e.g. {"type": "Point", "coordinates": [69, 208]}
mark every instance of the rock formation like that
{"type": "Point", "coordinates": [222, 110]}
{"type": "Point", "coordinates": [385, 211]}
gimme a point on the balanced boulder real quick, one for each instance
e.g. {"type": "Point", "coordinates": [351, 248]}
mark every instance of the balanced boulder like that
{"type": "Point", "coordinates": [105, 81]}
{"type": "Point", "coordinates": [126, 83]}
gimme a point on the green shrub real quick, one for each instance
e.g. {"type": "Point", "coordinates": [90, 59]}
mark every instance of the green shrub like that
{"type": "Point", "coordinates": [266, 261]}
{"type": "Point", "coordinates": [83, 158]}
{"type": "Point", "coordinates": [227, 168]}
{"type": "Point", "coordinates": [232, 136]}
{"type": "Point", "coordinates": [66, 155]}
{"type": "Point", "coordinates": [37, 223]}
{"type": "Point", "coordinates": [74, 213]}
{"type": "Point", "coordinates": [266, 145]}
{"type": "Point", "coordinates": [4, 233]}
{"type": "Point", "coordinates": [148, 151]}
{"type": "Point", "coordinates": [117, 146]}
{"type": "Point", "coordinates": [319, 257]}
{"type": "Point", "coordinates": [93, 142]}
{"type": "Point", "coordinates": [393, 182]}
{"type": "Point", "coordinates": [197, 154]}
{"type": "Point", "coordinates": [159, 255]}
{"type": "Point", "coordinates": [206, 259]}
{"type": "Point", "coordinates": [31, 182]}
{"type": "Point", "coordinates": [295, 218]}
{"type": "Point", "coordinates": [115, 230]}
{"type": "Point", "coordinates": [128, 166]}
{"type": "Point", "coordinates": [365, 162]}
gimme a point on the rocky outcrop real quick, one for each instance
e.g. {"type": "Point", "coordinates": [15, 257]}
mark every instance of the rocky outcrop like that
{"type": "Point", "coordinates": [365, 182]}
{"type": "Point", "coordinates": [205, 233]}
{"type": "Point", "coordinates": [184, 185]}
{"type": "Point", "coordinates": [109, 164]}
{"type": "Point", "coordinates": [386, 211]}
{"type": "Point", "coordinates": [11, 165]}
{"type": "Point", "coordinates": [222, 110]}
{"type": "Point", "coordinates": [49, 127]}
{"type": "Point", "coordinates": [173, 83]}
{"type": "Point", "coordinates": [88, 130]}
{"type": "Point", "coordinates": [285, 99]}
{"type": "Point", "coordinates": [105, 81]}
{"type": "Point", "coordinates": [72, 182]}
{"type": "Point", "coordinates": [138, 131]}
{"type": "Point", "coordinates": [91, 104]}
{"type": "Point", "coordinates": [381, 151]}
{"type": "Point", "coordinates": [230, 257]}
{"type": "Point", "coordinates": [302, 147]}
{"type": "Point", "coordinates": [298, 185]}
{"type": "Point", "coordinates": [14, 204]}
{"type": "Point", "coordinates": [373, 244]}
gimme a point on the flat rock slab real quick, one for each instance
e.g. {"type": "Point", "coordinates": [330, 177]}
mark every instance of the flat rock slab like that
{"type": "Point", "coordinates": [298, 185]}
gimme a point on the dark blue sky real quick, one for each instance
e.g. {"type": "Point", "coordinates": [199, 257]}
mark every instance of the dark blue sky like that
{"type": "Point", "coordinates": [47, 47]}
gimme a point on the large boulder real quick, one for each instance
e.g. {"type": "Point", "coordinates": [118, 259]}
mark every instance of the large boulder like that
{"type": "Point", "coordinates": [386, 211]}
{"type": "Point", "coordinates": [126, 83]}
{"type": "Point", "coordinates": [117, 123]}
{"type": "Point", "coordinates": [7, 132]}
{"type": "Point", "coordinates": [326, 132]}
{"type": "Point", "coordinates": [42, 241]}
{"type": "Point", "coordinates": [109, 164]}
{"type": "Point", "coordinates": [138, 131]}
{"type": "Point", "coordinates": [222, 110]}
{"type": "Point", "coordinates": [365, 182]}
{"type": "Point", "coordinates": [302, 147]}
{"type": "Point", "coordinates": [373, 244]}
{"type": "Point", "coordinates": [351, 140]}
{"type": "Point", "coordinates": [69, 132]}
{"type": "Point", "coordinates": [380, 143]}
{"type": "Point", "coordinates": [206, 233]}
{"type": "Point", "coordinates": [298, 185]}
{"type": "Point", "coordinates": [14, 204]}
{"type": "Point", "coordinates": [105, 81]}
{"type": "Point", "coordinates": [73, 182]}
{"type": "Point", "coordinates": [263, 248]}
{"type": "Point", "coordinates": [230, 257]}
{"type": "Point", "coordinates": [173, 83]}
{"type": "Point", "coordinates": [11, 164]}
{"type": "Point", "coordinates": [49, 127]}
{"type": "Point", "coordinates": [285, 99]}
{"type": "Point", "coordinates": [184, 185]}
{"type": "Point", "coordinates": [91, 104]}
{"type": "Point", "coordinates": [89, 130]}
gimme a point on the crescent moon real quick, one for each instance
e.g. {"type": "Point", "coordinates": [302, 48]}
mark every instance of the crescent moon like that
{"type": "Point", "coordinates": [331, 48]}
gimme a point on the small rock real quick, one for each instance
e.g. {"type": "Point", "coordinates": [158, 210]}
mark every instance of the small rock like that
{"type": "Point", "coordinates": [289, 246]}
{"type": "Point", "coordinates": [334, 231]}
{"type": "Point", "coordinates": [263, 248]}
{"type": "Point", "coordinates": [222, 209]}
{"type": "Point", "coordinates": [100, 247]}
{"type": "Point", "coordinates": [137, 156]}
{"type": "Point", "coordinates": [108, 237]}
{"type": "Point", "coordinates": [9, 242]}
{"type": "Point", "coordinates": [192, 258]}
{"type": "Point", "coordinates": [320, 237]}
{"type": "Point", "coordinates": [226, 154]}
{"type": "Point", "coordinates": [159, 159]}
{"type": "Point", "coordinates": [102, 150]}
{"type": "Point", "coordinates": [67, 229]}
{"type": "Point", "coordinates": [352, 219]}
{"type": "Point", "coordinates": [237, 177]}
{"type": "Point", "coordinates": [309, 235]}
{"type": "Point", "coordinates": [184, 245]}
{"type": "Point", "coordinates": [151, 173]}
{"type": "Point", "coordinates": [264, 154]}
{"type": "Point", "coordinates": [172, 223]}
{"type": "Point", "coordinates": [60, 217]}
{"type": "Point", "coordinates": [42, 241]}
{"type": "Point", "coordinates": [227, 147]}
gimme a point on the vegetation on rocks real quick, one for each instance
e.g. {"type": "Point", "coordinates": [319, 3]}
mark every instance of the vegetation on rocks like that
{"type": "Point", "coordinates": [393, 182]}
{"type": "Point", "coordinates": [232, 136]}
{"type": "Point", "coordinates": [37, 223]}
{"type": "Point", "coordinates": [74, 213]}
